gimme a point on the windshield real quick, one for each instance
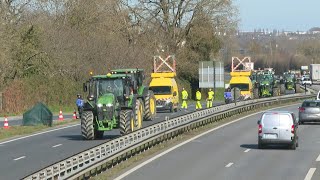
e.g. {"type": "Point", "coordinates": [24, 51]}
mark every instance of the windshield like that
{"type": "Point", "coordinates": [114, 86]}
{"type": "Point", "coordinates": [161, 90]}
{"type": "Point", "coordinates": [242, 87]}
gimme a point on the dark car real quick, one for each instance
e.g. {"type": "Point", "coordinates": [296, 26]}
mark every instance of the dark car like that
{"type": "Point", "coordinates": [309, 111]}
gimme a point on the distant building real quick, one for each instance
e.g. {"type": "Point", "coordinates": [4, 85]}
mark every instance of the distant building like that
{"type": "Point", "coordinates": [314, 30]}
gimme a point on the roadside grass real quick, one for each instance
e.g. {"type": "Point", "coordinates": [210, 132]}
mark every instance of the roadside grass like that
{"type": "Point", "coordinates": [137, 159]}
{"type": "Point", "coordinates": [17, 131]}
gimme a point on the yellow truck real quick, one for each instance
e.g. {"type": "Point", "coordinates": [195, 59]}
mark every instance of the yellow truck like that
{"type": "Point", "coordinates": [241, 70]}
{"type": "Point", "coordinates": [242, 81]}
{"type": "Point", "coordinates": [164, 85]}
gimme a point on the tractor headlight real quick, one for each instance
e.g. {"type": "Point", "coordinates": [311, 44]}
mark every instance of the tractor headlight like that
{"type": "Point", "coordinates": [109, 105]}
{"type": "Point", "coordinates": [99, 105]}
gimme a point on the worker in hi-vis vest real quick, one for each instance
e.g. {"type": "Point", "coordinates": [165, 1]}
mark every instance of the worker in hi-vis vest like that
{"type": "Point", "coordinates": [184, 94]}
{"type": "Point", "coordinates": [198, 100]}
{"type": "Point", "coordinates": [210, 98]}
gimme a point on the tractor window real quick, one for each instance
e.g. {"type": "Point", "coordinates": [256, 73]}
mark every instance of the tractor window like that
{"type": "Point", "coordinates": [242, 87]}
{"type": "Point", "coordinates": [114, 86]}
{"type": "Point", "coordinates": [161, 90]}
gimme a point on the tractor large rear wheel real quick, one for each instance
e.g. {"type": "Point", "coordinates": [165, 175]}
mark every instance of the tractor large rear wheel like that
{"type": "Point", "coordinates": [150, 106]}
{"type": "Point", "coordinates": [126, 122]}
{"type": "Point", "coordinates": [87, 129]}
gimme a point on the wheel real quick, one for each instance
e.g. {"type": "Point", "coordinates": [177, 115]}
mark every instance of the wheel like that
{"type": "Point", "coordinates": [150, 106]}
{"type": "Point", "coordinates": [142, 107]}
{"type": "Point", "coordinates": [126, 122]}
{"type": "Point", "coordinates": [256, 93]}
{"type": "Point", "coordinates": [87, 129]}
{"type": "Point", "coordinates": [275, 92]}
{"type": "Point", "coordinates": [298, 89]}
{"type": "Point", "coordinates": [138, 115]}
{"type": "Point", "coordinates": [282, 89]}
{"type": "Point", "coordinates": [171, 108]}
{"type": "Point", "coordinates": [260, 145]}
{"type": "Point", "coordinates": [293, 145]}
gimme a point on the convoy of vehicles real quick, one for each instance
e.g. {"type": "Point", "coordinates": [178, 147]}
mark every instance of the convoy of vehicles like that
{"type": "Point", "coordinates": [121, 100]}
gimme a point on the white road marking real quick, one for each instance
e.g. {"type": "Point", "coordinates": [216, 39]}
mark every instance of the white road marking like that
{"type": "Point", "coordinates": [318, 158]}
{"type": "Point", "coordinates": [57, 145]}
{"type": "Point", "coordinates": [229, 165]}
{"type": "Point", "coordinates": [24, 137]}
{"type": "Point", "coordinates": [247, 150]}
{"type": "Point", "coordinates": [19, 158]}
{"type": "Point", "coordinates": [189, 140]}
{"type": "Point", "coordinates": [310, 174]}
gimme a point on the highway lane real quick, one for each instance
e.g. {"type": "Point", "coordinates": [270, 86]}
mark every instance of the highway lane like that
{"type": "Point", "coordinates": [25, 156]}
{"type": "Point", "coordinates": [231, 153]}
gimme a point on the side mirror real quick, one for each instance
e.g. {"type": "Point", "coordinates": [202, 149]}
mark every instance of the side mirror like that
{"type": "Point", "coordinates": [174, 93]}
{"type": "Point", "coordinates": [85, 87]}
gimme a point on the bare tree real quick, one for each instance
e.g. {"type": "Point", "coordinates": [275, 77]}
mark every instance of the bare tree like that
{"type": "Point", "coordinates": [175, 18]}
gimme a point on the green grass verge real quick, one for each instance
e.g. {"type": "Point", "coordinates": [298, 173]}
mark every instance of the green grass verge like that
{"type": "Point", "coordinates": [53, 109]}
{"type": "Point", "coordinates": [17, 131]}
{"type": "Point", "coordinates": [137, 159]}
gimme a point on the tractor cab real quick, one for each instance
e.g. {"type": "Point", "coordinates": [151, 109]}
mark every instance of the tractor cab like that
{"type": "Point", "coordinates": [137, 77]}
{"type": "Point", "coordinates": [106, 90]}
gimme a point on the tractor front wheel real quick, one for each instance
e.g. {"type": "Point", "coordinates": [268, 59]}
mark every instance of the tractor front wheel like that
{"type": "Point", "coordinates": [150, 107]}
{"type": "Point", "coordinates": [126, 121]}
{"type": "Point", "coordinates": [87, 129]}
{"type": "Point", "coordinates": [138, 116]}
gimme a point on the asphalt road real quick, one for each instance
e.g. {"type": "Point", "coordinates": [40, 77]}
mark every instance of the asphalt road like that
{"type": "Point", "coordinates": [231, 152]}
{"type": "Point", "coordinates": [20, 158]}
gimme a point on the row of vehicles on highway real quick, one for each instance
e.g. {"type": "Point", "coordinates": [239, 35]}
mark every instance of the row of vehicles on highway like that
{"type": "Point", "coordinates": [249, 83]}
{"type": "Point", "coordinates": [280, 127]}
{"type": "Point", "coordinates": [120, 99]}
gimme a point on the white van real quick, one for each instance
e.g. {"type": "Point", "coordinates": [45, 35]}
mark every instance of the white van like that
{"type": "Point", "coordinates": [278, 127]}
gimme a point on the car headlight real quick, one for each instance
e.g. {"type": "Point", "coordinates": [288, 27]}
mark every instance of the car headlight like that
{"type": "Point", "coordinates": [99, 105]}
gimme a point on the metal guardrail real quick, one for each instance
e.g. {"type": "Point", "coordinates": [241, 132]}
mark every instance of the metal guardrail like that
{"type": "Point", "coordinates": [105, 156]}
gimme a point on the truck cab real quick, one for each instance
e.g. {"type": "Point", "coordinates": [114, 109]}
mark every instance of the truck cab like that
{"type": "Point", "coordinates": [242, 81]}
{"type": "Point", "coordinates": [165, 89]}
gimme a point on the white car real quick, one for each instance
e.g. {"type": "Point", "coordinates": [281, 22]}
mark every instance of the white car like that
{"type": "Point", "coordinates": [306, 81]}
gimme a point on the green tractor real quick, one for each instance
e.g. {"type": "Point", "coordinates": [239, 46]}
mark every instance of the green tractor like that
{"type": "Point", "coordinates": [147, 96]}
{"type": "Point", "coordinates": [266, 85]}
{"type": "Point", "coordinates": [112, 103]}
{"type": "Point", "coordinates": [289, 84]}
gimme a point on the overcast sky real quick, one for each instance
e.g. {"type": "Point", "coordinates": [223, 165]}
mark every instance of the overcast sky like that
{"type": "Point", "coordinates": [289, 15]}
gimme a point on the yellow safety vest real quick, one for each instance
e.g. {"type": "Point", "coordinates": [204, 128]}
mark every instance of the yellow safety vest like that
{"type": "Point", "coordinates": [198, 95]}
{"type": "Point", "coordinates": [184, 95]}
{"type": "Point", "coordinates": [210, 95]}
